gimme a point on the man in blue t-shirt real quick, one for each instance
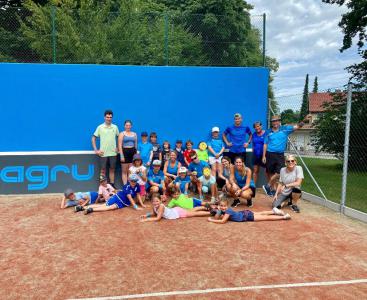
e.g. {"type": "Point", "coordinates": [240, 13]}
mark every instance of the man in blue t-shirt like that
{"type": "Point", "coordinates": [273, 152]}
{"type": "Point", "coordinates": [258, 139]}
{"type": "Point", "coordinates": [196, 171]}
{"type": "Point", "coordinates": [235, 138]}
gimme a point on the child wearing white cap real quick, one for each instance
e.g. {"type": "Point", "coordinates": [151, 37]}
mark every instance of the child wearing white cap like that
{"type": "Point", "coordinates": [216, 148]}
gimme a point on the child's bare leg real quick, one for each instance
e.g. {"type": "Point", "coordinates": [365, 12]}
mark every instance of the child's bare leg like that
{"type": "Point", "coordinates": [214, 190]}
{"type": "Point", "coordinates": [103, 207]}
{"type": "Point", "coordinates": [214, 169]}
{"type": "Point", "coordinates": [201, 213]}
{"type": "Point", "coordinates": [199, 208]}
{"type": "Point", "coordinates": [269, 218]}
{"type": "Point", "coordinates": [264, 213]}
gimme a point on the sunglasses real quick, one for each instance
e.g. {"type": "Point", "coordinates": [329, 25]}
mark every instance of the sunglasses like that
{"type": "Point", "coordinates": [290, 161]}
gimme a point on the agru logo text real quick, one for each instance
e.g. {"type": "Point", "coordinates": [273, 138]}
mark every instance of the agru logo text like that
{"type": "Point", "coordinates": [40, 176]}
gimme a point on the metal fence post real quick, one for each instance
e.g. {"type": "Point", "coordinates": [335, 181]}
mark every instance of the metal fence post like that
{"type": "Point", "coordinates": [166, 37]}
{"type": "Point", "coordinates": [346, 148]}
{"type": "Point", "coordinates": [53, 16]}
{"type": "Point", "coordinates": [264, 39]}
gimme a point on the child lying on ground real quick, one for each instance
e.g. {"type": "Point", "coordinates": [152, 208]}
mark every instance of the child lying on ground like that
{"type": "Point", "coordinates": [225, 213]}
{"type": "Point", "coordinates": [161, 211]}
{"type": "Point", "coordinates": [71, 198]}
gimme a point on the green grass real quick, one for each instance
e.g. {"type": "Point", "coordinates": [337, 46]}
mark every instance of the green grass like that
{"type": "Point", "coordinates": [328, 174]}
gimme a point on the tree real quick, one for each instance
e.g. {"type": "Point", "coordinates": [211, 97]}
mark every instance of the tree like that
{"type": "Point", "coordinates": [315, 86]}
{"type": "Point", "coordinates": [330, 128]}
{"type": "Point", "coordinates": [289, 116]}
{"type": "Point", "coordinates": [354, 23]}
{"type": "Point", "coordinates": [304, 107]}
{"type": "Point", "coordinates": [108, 32]}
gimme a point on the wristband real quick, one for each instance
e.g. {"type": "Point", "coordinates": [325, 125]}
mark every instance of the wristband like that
{"type": "Point", "coordinates": [135, 206]}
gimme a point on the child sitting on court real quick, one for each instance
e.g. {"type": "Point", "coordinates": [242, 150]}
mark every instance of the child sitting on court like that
{"type": "Point", "coordinates": [156, 180]}
{"type": "Point", "coordinates": [71, 198]}
{"type": "Point", "coordinates": [105, 190]}
{"type": "Point", "coordinates": [123, 198]}
{"type": "Point", "coordinates": [209, 183]}
{"type": "Point", "coordinates": [226, 213]}
{"type": "Point", "coordinates": [182, 181]}
{"type": "Point", "coordinates": [202, 152]}
{"type": "Point", "coordinates": [161, 211]}
{"type": "Point", "coordinates": [139, 170]}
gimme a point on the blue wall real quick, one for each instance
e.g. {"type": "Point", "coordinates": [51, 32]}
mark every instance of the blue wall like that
{"type": "Point", "coordinates": [57, 107]}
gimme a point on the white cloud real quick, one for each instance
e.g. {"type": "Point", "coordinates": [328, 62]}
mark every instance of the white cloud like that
{"type": "Point", "coordinates": [305, 38]}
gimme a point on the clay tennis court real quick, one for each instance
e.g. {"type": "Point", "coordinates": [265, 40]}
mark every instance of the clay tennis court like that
{"type": "Point", "coordinates": [49, 253]}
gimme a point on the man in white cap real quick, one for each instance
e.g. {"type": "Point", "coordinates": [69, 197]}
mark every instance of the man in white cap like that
{"type": "Point", "coordinates": [215, 149]}
{"type": "Point", "coordinates": [235, 137]}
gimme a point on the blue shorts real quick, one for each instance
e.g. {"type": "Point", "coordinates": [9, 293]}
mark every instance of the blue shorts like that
{"type": "Point", "coordinates": [93, 197]}
{"type": "Point", "coordinates": [248, 216]}
{"type": "Point", "coordinates": [196, 202]}
{"type": "Point", "coordinates": [121, 202]}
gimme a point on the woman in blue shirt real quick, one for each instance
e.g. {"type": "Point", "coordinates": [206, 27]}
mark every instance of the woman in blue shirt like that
{"type": "Point", "coordinates": [258, 138]}
{"type": "Point", "coordinates": [243, 187]}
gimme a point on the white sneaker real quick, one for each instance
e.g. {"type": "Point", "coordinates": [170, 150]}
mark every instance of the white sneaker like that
{"type": "Point", "coordinates": [278, 212]}
{"type": "Point", "coordinates": [287, 217]}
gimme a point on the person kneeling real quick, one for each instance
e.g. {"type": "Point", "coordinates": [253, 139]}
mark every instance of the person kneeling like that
{"type": "Point", "coordinates": [123, 198]}
{"type": "Point", "coordinates": [225, 213]}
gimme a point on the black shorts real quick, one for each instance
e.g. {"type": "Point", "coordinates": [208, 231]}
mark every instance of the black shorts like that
{"type": "Point", "coordinates": [258, 161]}
{"type": "Point", "coordinates": [128, 155]}
{"type": "Point", "coordinates": [274, 162]}
{"type": "Point", "coordinates": [233, 156]}
{"type": "Point", "coordinates": [108, 160]}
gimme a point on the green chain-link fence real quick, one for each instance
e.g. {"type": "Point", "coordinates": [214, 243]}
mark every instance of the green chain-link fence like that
{"type": "Point", "coordinates": [321, 143]}
{"type": "Point", "coordinates": [47, 34]}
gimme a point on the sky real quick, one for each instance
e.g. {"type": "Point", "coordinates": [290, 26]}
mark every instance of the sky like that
{"type": "Point", "coordinates": [304, 37]}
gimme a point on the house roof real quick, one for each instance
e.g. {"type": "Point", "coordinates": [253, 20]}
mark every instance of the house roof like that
{"type": "Point", "coordinates": [315, 101]}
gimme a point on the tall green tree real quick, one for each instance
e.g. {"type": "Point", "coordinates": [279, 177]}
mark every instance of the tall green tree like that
{"type": "Point", "coordinates": [289, 116]}
{"type": "Point", "coordinates": [315, 86]}
{"type": "Point", "coordinates": [304, 107]}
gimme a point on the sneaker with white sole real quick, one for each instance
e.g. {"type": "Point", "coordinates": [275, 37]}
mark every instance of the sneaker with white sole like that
{"type": "Point", "coordinates": [78, 208]}
{"type": "Point", "coordinates": [287, 217]}
{"type": "Point", "coordinates": [267, 189]}
{"type": "Point", "coordinates": [295, 208]}
{"type": "Point", "coordinates": [249, 203]}
{"type": "Point", "coordinates": [236, 202]}
{"type": "Point", "coordinates": [278, 212]}
{"type": "Point", "coordinates": [88, 210]}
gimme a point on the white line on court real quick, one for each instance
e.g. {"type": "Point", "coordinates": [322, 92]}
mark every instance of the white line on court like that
{"type": "Point", "coordinates": [232, 289]}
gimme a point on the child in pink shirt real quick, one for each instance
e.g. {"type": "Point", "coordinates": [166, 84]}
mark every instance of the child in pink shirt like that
{"type": "Point", "coordinates": [105, 190]}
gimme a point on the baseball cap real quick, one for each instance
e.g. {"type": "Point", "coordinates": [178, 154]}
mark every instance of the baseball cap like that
{"type": "Point", "coordinates": [215, 129]}
{"type": "Point", "coordinates": [182, 170]}
{"type": "Point", "coordinates": [134, 177]}
{"type": "Point", "coordinates": [157, 162]}
{"type": "Point", "coordinates": [237, 115]}
{"type": "Point", "coordinates": [275, 118]}
{"type": "Point", "coordinates": [136, 156]}
{"type": "Point", "coordinates": [68, 192]}
{"type": "Point", "coordinates": [144, 133]}
{"type": "Point", "coordinates": [102, 178]}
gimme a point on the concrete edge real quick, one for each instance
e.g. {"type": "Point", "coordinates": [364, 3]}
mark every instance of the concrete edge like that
{"type": "Point", "coordinates": [349, 212]}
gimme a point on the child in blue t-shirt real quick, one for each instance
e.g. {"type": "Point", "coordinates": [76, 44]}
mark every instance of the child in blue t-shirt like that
{"type": "Point", "coordinates": [196, 171]}
{"type": "Point", "coordinates": [123, 198]}
{"type": "Point", "coordinates": [145, 149]}
{"type": "Point", "coordinates": [182, 181]}
{"type": "Point", "coordinates": [72, 198]}
{"type": "Point", "coordinates": [215, 149]}
{"type": "Point", "coordinates": [226, 213]}
{"type": "Point", "coordinates": [155, 182]}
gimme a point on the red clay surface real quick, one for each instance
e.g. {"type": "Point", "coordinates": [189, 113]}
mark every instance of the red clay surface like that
{"type": "Point", "coordinates": [49, 253]}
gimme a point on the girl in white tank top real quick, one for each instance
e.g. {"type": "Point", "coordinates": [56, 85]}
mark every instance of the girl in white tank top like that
{"type": "Point", "coordinates": [161, 211]}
